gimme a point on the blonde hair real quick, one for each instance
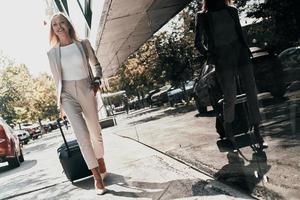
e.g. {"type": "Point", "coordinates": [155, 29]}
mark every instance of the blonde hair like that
{"type": "Point", "coordinates": [53, 39]}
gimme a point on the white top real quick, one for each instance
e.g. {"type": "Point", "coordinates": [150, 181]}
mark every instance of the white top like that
{"type": "Point", "coordinates": [72, 63]}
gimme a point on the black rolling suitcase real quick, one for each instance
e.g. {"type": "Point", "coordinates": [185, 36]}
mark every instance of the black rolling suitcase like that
{"type": "Point", "coordinates": [71, 159]}
{"type": "Point", "coordinates": [240, 125]}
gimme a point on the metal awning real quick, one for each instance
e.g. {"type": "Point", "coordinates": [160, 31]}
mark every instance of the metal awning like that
{"type": "Point", "coordinates": [127, 24]}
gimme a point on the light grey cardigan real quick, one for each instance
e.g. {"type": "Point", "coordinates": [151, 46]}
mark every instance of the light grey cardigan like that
{"type": "Point", "coordinates": [88, 56]}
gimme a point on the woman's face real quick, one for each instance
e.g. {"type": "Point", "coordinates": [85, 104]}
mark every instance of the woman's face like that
{"type": "Point", "coordinates": [60, 26]}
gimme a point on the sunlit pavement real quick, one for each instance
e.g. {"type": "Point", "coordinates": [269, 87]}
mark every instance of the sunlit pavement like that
{"type": "Point", "coordinates": [159, 153]}
{"type": "Point", "coordinates": [135, 172]}
{"type": "Point", "coordinates": [181, 133]}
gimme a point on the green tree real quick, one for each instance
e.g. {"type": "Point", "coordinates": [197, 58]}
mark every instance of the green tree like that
{"type": "Point", "coordinates": [164, 58]}
{"type": "Point", "coordinates": [137, 75]}
{"type": "Point", "coordinates": [14, 85]}
{"type": "Point", "coordinates": [176, 52]}
{"type": "Point", "coordinates": [279, 24]}
{"type": "Point", "coordinates": [24, 98]}
{"type": "Point", "coordinates": [6, 106]}
{"type": "Point", "coordinates": [43, 102]}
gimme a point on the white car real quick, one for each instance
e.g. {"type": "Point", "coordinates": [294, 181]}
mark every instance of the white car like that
{"type": "Point", "coordinates": [23, 136]}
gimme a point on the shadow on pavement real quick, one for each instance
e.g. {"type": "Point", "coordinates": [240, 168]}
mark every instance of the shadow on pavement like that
{"type": "Point", "coordinates": [40, 147]}
{"type": "Point", "coordinates": [137, 113]}
{"type": "Point", "coordinates": [6, 170]}
{"type": "Point", "coordinates": [180, 110]}
{"type": "Point", "coordinates": [147, 119]}
{"type": "Point", "coordinates": [246, 177]}
{"type": "Point", "coordinates": [174, 189]}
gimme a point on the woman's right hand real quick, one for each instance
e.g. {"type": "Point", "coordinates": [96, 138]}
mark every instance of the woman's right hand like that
{"type": "Point", "coordinates": [96, 85]}
{"type": "Point", "coordinates": [62, 113]}
{"type": "Point", "coordinates": [95, 89]}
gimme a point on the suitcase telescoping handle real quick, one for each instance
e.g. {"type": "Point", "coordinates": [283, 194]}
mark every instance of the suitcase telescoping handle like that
{"type": "Point", "coordinates": [63, 135]}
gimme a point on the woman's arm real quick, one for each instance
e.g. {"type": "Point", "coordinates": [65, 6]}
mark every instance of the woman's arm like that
{"type": "Point", "coordinates": [199, 34]}
{"type": "Point", "coordinates": [94, 60]}
{"type": "Point", "coordinates": [239, 28]}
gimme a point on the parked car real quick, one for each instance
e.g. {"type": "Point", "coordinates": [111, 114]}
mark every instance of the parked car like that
{"type": "Point", "coordinates": [149, 95]}
{"type": "Point", "coordinates": [23, 136]}
{"type": "Point", "coordinates": [52, 125]}
{"type": "Point", "coordinates": [268, 72]}
{"type": "Point", "coordinates": [206, 89]}
{"type": "Point", "coordinates": [33, 130]}
{"type": "Point", "coordinates": [290, 59]}
{"type": "Point", "coordinates": [46, 128]}
{"type": "Point", "coordinates": [177, 95]}
{"type": "Point", "coordinates": [10, 147]}
{"type": "Point", "coordinates": [134, 103]}
{"type": "Point", "coordinates": [161, 97]}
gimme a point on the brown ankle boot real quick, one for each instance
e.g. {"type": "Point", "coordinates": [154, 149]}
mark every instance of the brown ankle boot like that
{"type": "Point", "coordinates": [102, 168]}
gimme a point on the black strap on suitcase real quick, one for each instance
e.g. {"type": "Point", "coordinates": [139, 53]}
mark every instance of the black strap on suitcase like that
{"type": "Point", "coordinates": [71, 158]}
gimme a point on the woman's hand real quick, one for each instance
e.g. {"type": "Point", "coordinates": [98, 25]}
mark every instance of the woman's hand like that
{"type": "Point", "coordinates": [96, 85]}
{"type": "Point", "coordinates": [95, 89]}
{"type": "Point", "coordinates": [61, 113]}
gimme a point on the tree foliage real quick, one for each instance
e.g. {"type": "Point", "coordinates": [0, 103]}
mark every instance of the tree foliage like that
{"type": "Point", "coordinates": [139, 73]}
{"type": "Point", "coordinates": [24, 98]}
{"type": "Point", "coordinates": [280, 22]}
{"type": "Point", "coordinates": [43, 102]}
{"type": "Point", "coordinates": [168, 57]}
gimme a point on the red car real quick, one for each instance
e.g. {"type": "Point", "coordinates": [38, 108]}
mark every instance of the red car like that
{"type": "Point", "coordinates": [10, 148]}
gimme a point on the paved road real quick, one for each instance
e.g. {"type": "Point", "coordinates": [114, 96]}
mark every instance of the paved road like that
{"type": "Point", "coordinates": [145, 168]}
{"type": "Point", "coordinates": [180, 132]}
{"type": "Point", "coordinates": [135, 172]}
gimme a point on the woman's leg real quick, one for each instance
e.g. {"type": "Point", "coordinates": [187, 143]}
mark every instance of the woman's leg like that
{"type": "Point", "coordinates": [248, 80]}
{"type": "Point", "coordinates": [89, 107]}
{"type": "Point", "coordinates": [225, 71]}
{"type": "Point", "coordinates": [227, 82]}
{"type": "Point", "coordinates": [228, 86]}
{"type": "Point", "coordinates": [102, 167]}
{"type": "Point", "coordinates": [249, 86]}
{"type": "Point", "coordinates": [99, 185]}
{"type": "Point", "coordinates": [74, 112]}
{"type": "Point", "coordinates": [73, 109]}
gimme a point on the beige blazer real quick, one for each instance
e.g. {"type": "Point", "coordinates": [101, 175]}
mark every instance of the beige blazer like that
{"type": "Point", "coordinates": [88, 57]}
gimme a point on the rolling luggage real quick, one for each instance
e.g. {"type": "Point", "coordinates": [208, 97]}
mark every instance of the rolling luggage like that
{"type": "Point", "coordinates": [71, 159]}
{"type": "Point", "coordinates": [240, 123]}
{"type": "Point", "coordinates": [240, 126]}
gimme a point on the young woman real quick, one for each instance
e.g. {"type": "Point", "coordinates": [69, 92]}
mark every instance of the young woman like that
{"type": "Point", "coordinates": [219, 27]}
{"type": "Point", "coordinates": [76, 88]}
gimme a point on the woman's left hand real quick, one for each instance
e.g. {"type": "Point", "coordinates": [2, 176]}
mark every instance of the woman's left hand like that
{"type": "Point", "coordinates": [95, 89]}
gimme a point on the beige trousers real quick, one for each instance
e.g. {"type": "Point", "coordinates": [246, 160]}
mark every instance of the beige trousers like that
{"type": "Point", "coordinates": [80, 106]}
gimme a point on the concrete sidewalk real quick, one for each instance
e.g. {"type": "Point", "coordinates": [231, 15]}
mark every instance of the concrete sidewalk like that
{"type": "Point", "coordinates": [135, 172]}
{"type": "Point", "coordinates": [183, 134]}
